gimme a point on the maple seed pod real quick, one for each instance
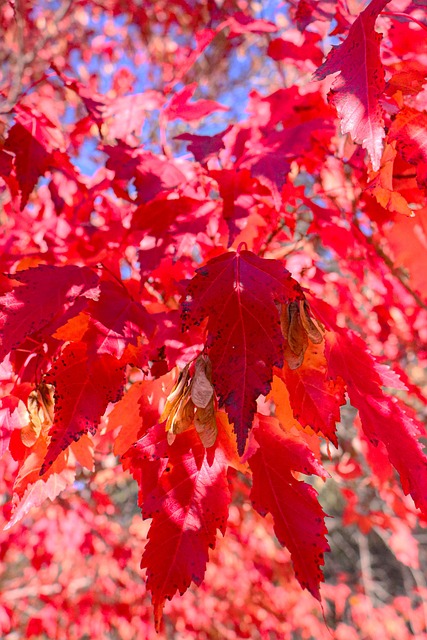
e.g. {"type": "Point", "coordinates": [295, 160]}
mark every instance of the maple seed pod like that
{"type": "Point", "coordinates": [202, 394]}
{"type": "Point", "coordinates": [205, 424]}
{"type": "Point", "coordinates": [297, 328]}
{"type": "Point", "coordinates": [192, 400]}
{"type": "Point", "coordinates": [201, 387]}
{"type": "Point", "coordinates": [40, 405]}
{"type": "Point", "coordinates": [176, 393]}
{"type": "Point", "coordinates": [181, 418]}
{"type": "Point", "coordinates": [312, 330]}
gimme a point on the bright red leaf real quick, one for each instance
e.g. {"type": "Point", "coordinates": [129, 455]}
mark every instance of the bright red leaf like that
{"type": "Point", "coordinates": [116, 320]}
{"type": "Point", "coordinates": [314, 395]}
{"type": "Point", "coordinates": [382, 417]}
{"type": "Point", "coordinates": [409, 130]}
{"type": "Point", "coordinates": [298, 517]}
{"type": "Point", "coordinates": [32, 139]}
{"type": "Point", "coordinates": [181, 107]}
{"type": "Point", "coordinates": [188, 505]}
{"type": "Point", "coordinates": [83, 389]}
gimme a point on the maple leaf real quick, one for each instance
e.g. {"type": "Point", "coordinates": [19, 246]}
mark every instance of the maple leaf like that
{"type": "Point", "coordinates": [32, 139]}
{"type": "Point", "coordinates": [409, 130]}
{"type": "Point", "coordinates": [298, 517]}
{"type": "Point", "coordinates": [240, 23]}
{"type": "Point", "coordinates": [204, 147]}
{"type": "Point", "coordinates": [280, 49]}
{"type": "Point", "coordinates": [151, 174]}
{"type": "Point", "coordinates": [83, 389]}
{"type": "Point", "coordinates": [355, 92]}
{"type": "Point", "coordinates": [116, 320]}
{"type": "Point", "coordinates": [239, 292]}
{"type": "Point", "coordinates": [181, 107]}
{"type": "Point", "coordinates": [381, 416]}
{"type": "Point", "coordinates": [236, 189]}
{"type": "Point", "coordinates": [48, 295]}
{"type": "Point", "coordinates": [137, 411]}
{"type": "Point", "coordinates": [269, 157]}
{"type": "Point", "coordinates": [314, 396]}
{"type": "Point", "coordinates": [188, 505]}
{"type": "Point", "coordinates": [381, 185]}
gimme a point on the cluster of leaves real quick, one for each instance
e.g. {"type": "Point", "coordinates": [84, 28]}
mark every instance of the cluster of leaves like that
{"type": "Point", "coordinates": [74, 572]}
{"type": "Point", "coordinates": [279, 262]}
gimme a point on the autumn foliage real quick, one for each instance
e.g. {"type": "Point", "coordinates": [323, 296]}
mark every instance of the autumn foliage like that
{"type": "Point", "coordinates": [213, 281]}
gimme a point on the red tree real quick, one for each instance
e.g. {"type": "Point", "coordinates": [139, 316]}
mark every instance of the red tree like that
{"type": "Point", "coordinates": [213, 253]}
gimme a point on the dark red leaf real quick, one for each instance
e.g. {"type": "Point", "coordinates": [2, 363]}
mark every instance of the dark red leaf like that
{"type": "Point", "coordinates": [238, 292]}
{"type": "Point", "coordinates": [116, 320]}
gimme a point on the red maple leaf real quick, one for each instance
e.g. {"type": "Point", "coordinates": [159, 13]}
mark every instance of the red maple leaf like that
{"type": "Point", "coordinates": [298, 517]}
{"type": "Point", "coordinates": [32, 139]}
{"type": "Point", "coordinates": [83, 389]}
{"type": "Point", "coordinates": [356, 90]}
{"type": "Point", "coordinates": [48, 295]}
{"type": "Point", "coordinates": [181, 107]}
{"type": "Point", "coordinates": [116, 320]}
{"type": "Point", "coordinates": [314, 396]}
{"type": "Point", "coordinates": [188, 504]}
{"type": "Point", "coordinates": [409, 130]}
{"type": "Point", "coordinates": [382, 418]}
{"type": "Point", "coordinates": [239, 292]}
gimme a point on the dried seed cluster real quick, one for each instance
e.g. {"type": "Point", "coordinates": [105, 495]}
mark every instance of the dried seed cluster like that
{"type": "Point", "coordinates": [192, 401]}
{"type": "Point", "coordinates": [297, 328]}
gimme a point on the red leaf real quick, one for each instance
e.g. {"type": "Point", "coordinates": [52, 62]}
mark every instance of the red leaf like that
{"type": "Point", "coordinates": [236, 189]}
{"type": "Point", "coordinates": [146, 460]}
{"type": "Point", "coordinates": [83, 389]}
{"type": "Point", "coordinates": [32, 139]}
{"type": "Point", "coordinates": [280, 49]}
{"type": "Point", "coordinates": [241, 23]}
{"type": "Point", "coordinates": [47, 294]}
{"type": "Point", "coordinates": [137, 411]}
{"type": "Point", "coordinates": [409, 129]}
{"type": "Point", "coordinates": [117, 320]}
{"type": "Point", "coordinates": [298, 517]}
{"type": "Point", "coordinates": [188, 505]}
{"type": "Point", "coordinates": [356, 90]}
{"type": "Point", "coordinates": [180, 106]}
{"type": "Point", "coordinates": [314, 396]}
{"type": "Point", "coordinates": [381, 416]}
{"type": "Point", "coordinates": [238, 292]}
{"type": "Point", "coordinates": [204, 147]}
